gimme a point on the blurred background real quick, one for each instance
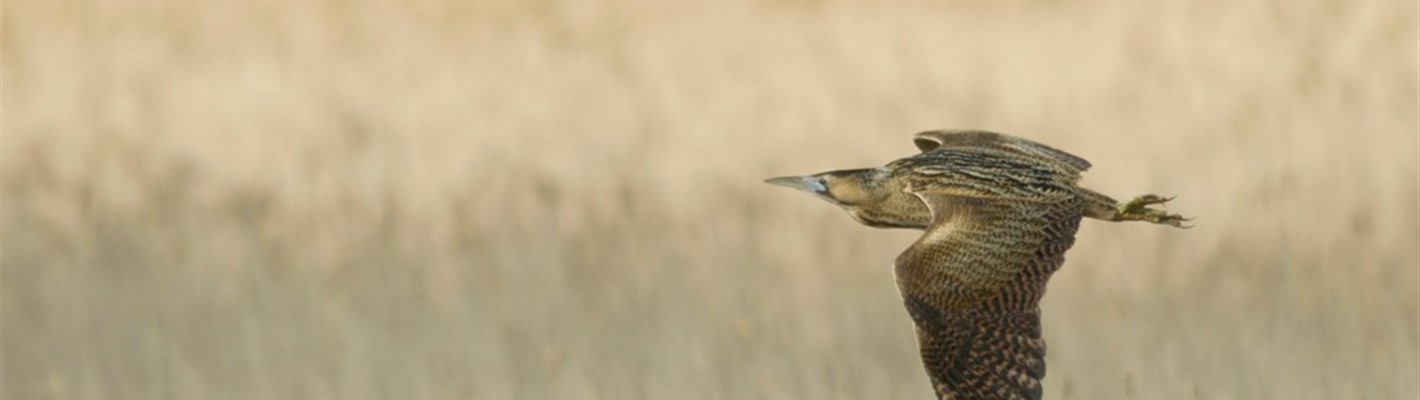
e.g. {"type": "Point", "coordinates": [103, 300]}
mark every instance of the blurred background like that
{"type": "Point", "coordinates": [333, 199]}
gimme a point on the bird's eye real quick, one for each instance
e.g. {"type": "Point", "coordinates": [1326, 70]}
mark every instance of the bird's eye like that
{"type": "Point", "coordinates": [817, 186]}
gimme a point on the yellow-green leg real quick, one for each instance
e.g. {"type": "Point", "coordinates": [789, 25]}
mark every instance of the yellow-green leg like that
{"type": "Point", "coordinates": [1105, 208]}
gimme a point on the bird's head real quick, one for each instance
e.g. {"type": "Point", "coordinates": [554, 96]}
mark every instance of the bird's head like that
{"type": "Point", "coordinates": [868, 196]}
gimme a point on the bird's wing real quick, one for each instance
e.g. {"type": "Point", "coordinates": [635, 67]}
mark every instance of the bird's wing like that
{"type": "Point", "coordinates": [974, 247]}
{"type": "Point", "coordinates": [988, 173]}
{"type": "Point", "coordinates": [971, 285]}
{"type": "Point", "coordinates": [932, 140]}
{"type": "Point", "coordinates": [980, 355]}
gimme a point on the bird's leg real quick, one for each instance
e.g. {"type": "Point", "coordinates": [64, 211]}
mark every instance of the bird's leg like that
{"type": "Point", "coordinates": [1138, 210]}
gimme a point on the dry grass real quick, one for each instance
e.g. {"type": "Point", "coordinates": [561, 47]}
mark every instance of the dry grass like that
{"type": "Point", "coordinates": [537, 199]}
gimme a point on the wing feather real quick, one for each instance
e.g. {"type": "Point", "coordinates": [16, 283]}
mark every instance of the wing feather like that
{"type": "Point", "coordinates": [989, 174]}
{"type": "Point", "coordinates": [1004, 211]}
{"type": "Point", "coordinates": [981, 355]}
{"type": "Point", "coordinates": [932, 140]}
{"type": "Point", "coordinates": [972, 283]}
{"type": "Point", "coordinates": [974, 247]}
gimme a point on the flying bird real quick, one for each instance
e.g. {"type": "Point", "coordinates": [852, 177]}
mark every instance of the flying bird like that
{"type": "Point", "coordinates": [998, 213]}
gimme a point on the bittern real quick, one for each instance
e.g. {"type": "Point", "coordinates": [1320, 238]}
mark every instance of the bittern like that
{"type": "Point", "coordinates": [998, 212]}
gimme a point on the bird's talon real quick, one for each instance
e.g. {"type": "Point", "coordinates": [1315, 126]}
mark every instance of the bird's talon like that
{"type": "Point", "coordinates": [1138, 210]}
{"type": "Point", "coordinates": [1141, 202]}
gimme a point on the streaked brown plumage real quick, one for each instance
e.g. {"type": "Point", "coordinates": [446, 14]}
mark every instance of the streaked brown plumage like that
{"type": "Point", "coordinates": [998, 212]}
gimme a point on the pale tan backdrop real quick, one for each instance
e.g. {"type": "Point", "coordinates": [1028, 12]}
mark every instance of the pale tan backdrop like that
{"type": "Point", "coordinates": [270, 199]}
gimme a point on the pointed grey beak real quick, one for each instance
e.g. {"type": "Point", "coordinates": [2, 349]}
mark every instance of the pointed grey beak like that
{"type": "Point", "coordinates": [805, 183]}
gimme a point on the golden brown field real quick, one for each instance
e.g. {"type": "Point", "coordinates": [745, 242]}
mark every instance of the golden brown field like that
{"type": "Point", "coordinates": [542, 199]}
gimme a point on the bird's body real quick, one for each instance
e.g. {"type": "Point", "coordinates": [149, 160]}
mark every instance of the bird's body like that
{"type": "Point", "coordinates": [998, 213]}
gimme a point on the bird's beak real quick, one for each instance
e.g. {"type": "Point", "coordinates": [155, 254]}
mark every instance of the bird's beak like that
{"type": "Point", "coordinates": [809, 184]}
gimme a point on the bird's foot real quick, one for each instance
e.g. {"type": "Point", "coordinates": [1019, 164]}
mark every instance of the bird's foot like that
{"type": "Point", "coordinates": [1138, 210]}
